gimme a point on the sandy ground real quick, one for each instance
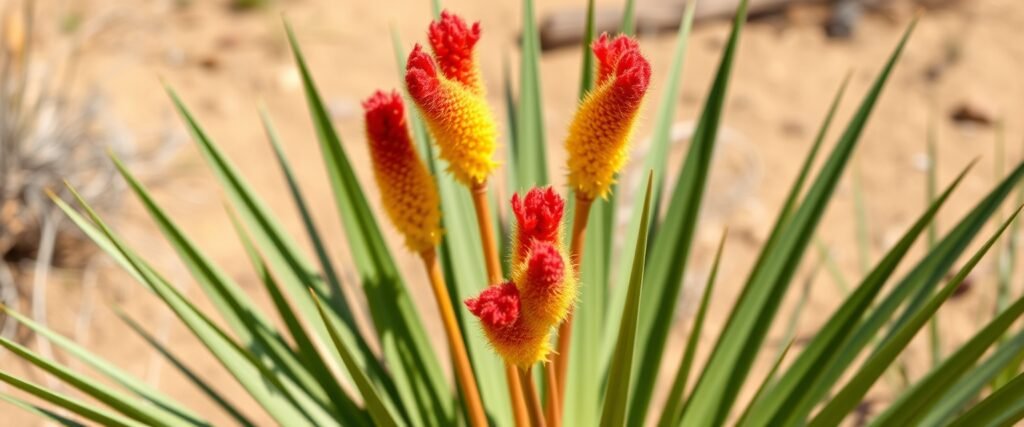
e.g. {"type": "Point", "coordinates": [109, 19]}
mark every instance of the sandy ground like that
{"type": "Point", "coordinates": [225, 63]}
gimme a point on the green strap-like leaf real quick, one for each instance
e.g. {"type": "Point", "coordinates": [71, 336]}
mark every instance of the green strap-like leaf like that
{"type": "Point", "coordinates": [587, 63]}
{"type": "Point", "coordinates": [674, 403]}
{"type": "Point", "coordinates": [82, 409]}
{"type": "Point", "coordinates": [752, 316]}
{"type": "Point", "coordinates": [929, 271]}
{"type": "Point", "coordinates": [245, 319]}
{"type": "Point", "coordinates": [410, 359]}
{"type": "Point", "coordinates": [101, 240]}
{"type": "Point", "coordinates": [108, 369]}
{"type": "Point", "coordinates": [628, 25]}
{"type": "Point", "coordinates": [768, 380]}
{"type": "Point", "coordinates": [850, 395]}
{"type": "Point", "coordinates": [302, 207]}
{"type": "Point", "coordinates": [40, 411]}
{"type": "Point", "coordinates": [931, 184]}
{"type": "Point", "coordinates": [788, 400]}
{"type": "Point", "coordinates": [1004, 408]}
{"type": "Point", "coordinates": [121, 402]}
{"type": "Point", "coordinates": [185, 371]}
{"type": "Point", "coordinates": [435, 7]}
{"type": "Point", "coordinates": [616, 395]}
{"type": "Point", "coordinates": [511, 127]}
{"type": "Point", "coordinates": [829, 262]}
{"type": "Point", "coordinates": [98, 238]}
{"type": "Point", "coordinates": [790, 203]}
{"type": "Point", "coordinates": [307, 352]}
{"type": "Point", "coordinates": [914, 403]}
{"type": "Point", "coordinates": [673, 241]}
{"type": "Point", "coordinates": [583, 381]}
{"type": "Point", "coordinates": [379, 411]}
{"type": "Point", "coordinates": [281, 251]}
{"type": "Point", "coordinates": [531, 157]}
{"type": "Point", "coordinates": [969, 386]}
{"type": "Point", "coordinates": [273, 392]}
{"type": "Point", "coordinates": [924, 287]}
{"type": "Point", "coordinates": [230, 300]}
{"type": "Point", "coordinates": [1008, 267]}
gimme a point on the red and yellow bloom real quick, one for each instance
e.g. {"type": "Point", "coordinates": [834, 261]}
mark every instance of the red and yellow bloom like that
{"type": "Point", "coordinates": [518, 316]}
{"type": "Point", "coordinates": [600, 131]}
{"type": "Point", "coordinates": [407, 190]}
{"type": "Point", "coordinates": [451, 97]}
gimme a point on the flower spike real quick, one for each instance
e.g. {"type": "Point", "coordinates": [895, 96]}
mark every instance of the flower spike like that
{"type": "Point", "coordinates": [452, 101]}
{"type": "Point", "coordinates": [600, 132]}
{"type": "Point", "coordinates": [518, 316]}
{"type": "Point", "coordinates": [407, 190]}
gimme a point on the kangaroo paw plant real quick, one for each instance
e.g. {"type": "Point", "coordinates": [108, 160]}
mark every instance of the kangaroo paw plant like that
{"type": "Point", "coordinates": [546, 283]}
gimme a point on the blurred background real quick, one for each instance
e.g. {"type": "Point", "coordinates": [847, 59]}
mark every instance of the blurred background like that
{"type": "Point", "coordinates": [81, 77]}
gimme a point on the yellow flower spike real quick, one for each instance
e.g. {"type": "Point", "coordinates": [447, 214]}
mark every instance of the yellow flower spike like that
{"type": "Point", "coordinates": [407, 190]}
{"type": "Point", "coordinates": [452, 100]}
{"type": "Point", "coordinates": [600, 132]}
{"type": "Point", "coordinates": [519, 316]}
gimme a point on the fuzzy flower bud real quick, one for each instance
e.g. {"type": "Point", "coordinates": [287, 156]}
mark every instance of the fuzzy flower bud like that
{"type": "Point", "coordinates": [407, 190]}
{"type": "Point", "coordinates": [600, 132]}
{"type": "Point", "coordinates": [497, 306]}
{"type": "Point", "coordinates": [452, 101]}
{"type": "Point", "coordinates": [452, 41]}
{"type": "Point", "coordinates": [543, 285]}
{"type": "Point", "coordinates": [504, 325]}
{"type": "Point", "coordinates": [538, 217]}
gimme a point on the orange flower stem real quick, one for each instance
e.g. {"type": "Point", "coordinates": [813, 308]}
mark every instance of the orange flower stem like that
{"type": "Point", "coordinates": [554, 409]}
{"type": "Point", "coordinates": [536, 411]}
{"type": "Point", "coordinates": [487, 239]}
{"type": "Point", "coordinates": [494, 276]}
{"type": "Point", "coordinates": [460, 359]}
{"type": "Point", "coordinates": [561, 358]}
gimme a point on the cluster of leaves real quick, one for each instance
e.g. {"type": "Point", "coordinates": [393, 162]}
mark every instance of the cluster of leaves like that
{"type": "Point", "coordinates": [622, 321]}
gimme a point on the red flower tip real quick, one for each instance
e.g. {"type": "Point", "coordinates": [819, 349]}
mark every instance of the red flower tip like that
{"type": "Point", "coordinates": [538, 214]}
{"type": "Point", "coordinates": [620, 59]}
{"type": "Point", "coordinates": [385, 117]}
{"type": "Point", "coordinates": [421, 75]}
{"type": "Point", "coordinates": [545, 268]}
{"type": "Point", "coordinates": [453, 41]}
{"type": "Point", "coordinates": [497, 306]}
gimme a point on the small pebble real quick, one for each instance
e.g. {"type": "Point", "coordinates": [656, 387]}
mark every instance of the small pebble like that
{"type": "Point", "coordinates": [972, 112]}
